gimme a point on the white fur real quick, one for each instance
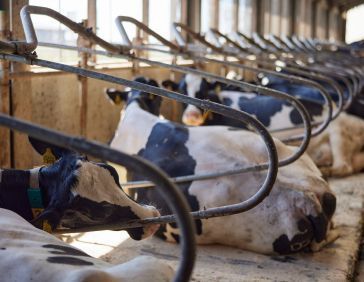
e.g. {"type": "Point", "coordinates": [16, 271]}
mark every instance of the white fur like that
{"type": "Point", "coordinates": [25, 259]}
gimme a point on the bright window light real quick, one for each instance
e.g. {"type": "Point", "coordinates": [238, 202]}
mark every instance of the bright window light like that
{"type": "Point", "coordinates": [354, 24]}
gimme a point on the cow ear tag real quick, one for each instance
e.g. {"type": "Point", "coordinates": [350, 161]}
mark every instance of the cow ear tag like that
{"type": "Point", "coordinates": [48, 157]}
{"type": "Point", "coordinates": [46, 226]}
{"type": "Point", "coordinates": [117, 100]}
{"type": "Point", "coordinates": [218, 89]}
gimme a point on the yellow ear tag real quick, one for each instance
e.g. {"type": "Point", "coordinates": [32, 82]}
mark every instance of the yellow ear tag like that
{"type": "Point", "coordinates": [117, 100]}
{"type": "Point", "coordinates": [218, 89]}
{"type": "Point", "coordinates": [206, 115]}
{"type": "Point", "coordinates": [47, 227]}
{"type": "Point", "coordinates": [49, 157]}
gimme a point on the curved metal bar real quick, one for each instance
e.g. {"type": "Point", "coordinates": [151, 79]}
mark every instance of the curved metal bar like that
{"type": "Point", "coordinates": [261, 90]}
{"type": "Point", "coordinates": [333, 83]}
{"type": "Point", "coordinates": [31, 39]}
{"type": "Point", "coordinates": [119, 23]}
{"type": "Point", "coordinates": [33, 9]}
{"type": "Point", "coordinates": [271, 166]}
{"type": "Point", "coordinates": [172, 195]}
{"type": "Point", "coordinates": [290, 78]}
{"type": "Point", "coordinates": [194, 35]}
{"type": "Point", "coordinates": [305, 138]}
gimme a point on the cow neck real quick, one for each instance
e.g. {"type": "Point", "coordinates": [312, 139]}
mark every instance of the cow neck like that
{"type": "Point", "coordinates": [134, 129]}
{"type": "Point", "coordinates": [18, 190]}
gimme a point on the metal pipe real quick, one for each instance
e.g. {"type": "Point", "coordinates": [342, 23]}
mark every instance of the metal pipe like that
{"type": "Point", "coordinates": [172, 195]}
{"type": "Point", "coordinates": [261, 90]}
{"type": "Point", "coordinates": [31, 39]}
{"type": "Point", "coordinates": [271, 166]}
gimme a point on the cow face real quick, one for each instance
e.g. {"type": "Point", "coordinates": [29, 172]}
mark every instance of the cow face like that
{"type": "Point", "coordinates": [78, 193]}
{"type": "Point", "coordinates": [148, 102]}
{"type": "Point", "coordinates": [196, 87]}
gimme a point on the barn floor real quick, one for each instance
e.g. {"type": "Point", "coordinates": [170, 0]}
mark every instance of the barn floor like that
{"type": "Point", "coordinates": [336, 262]}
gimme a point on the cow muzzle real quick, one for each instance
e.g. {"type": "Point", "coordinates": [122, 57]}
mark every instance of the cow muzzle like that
{"type": "Point", "coordinates": [192, 118]}
{"type": "Point", "coordinates": [141, 233]}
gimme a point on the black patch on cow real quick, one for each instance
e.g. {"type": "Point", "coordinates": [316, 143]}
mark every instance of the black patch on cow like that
{"type": "Point", "coordinates": [3, 249]}
{"type": "Point", "coordinates": [68, 260]}
{"type": "Point", "coordinates": [320, 224]}
{"type": "Point", "coordinates": [284, 246]}
{"type": "Point", "coordinates": [263, 107]}
{"type": "Point", "coordinates": [166, 147]}
{"type": "Point", "coordinates": [13, 192]}
{"type": "Point", "coordinates": [227, 101]}
{"type": "Point", "coordinates": [56, 182]}
{"type": "Point", "coordinates": [175, 237]}
{"type": "Point", "coordinates": [146, 101]}
{"type": "Point", "coordinates": [112, 171]}
{"type": "Point", "coordinates": [83, 212]}
{"type": "Point", "coordinates": [328, 203]}
{"type": "Point", "coordinates": [64, 250]}
{"type": "Point", "coordinates": [313, 108]}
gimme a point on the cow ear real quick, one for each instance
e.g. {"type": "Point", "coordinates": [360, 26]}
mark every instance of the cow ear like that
{"type": "Point", "coordinates": [117, 96]}
{"type": "Point", "coordinates": [48, 220]}
{"type": "Point", "coordinates": [50, 152]}
{"type": "Point", "coordinates": [169, 84]}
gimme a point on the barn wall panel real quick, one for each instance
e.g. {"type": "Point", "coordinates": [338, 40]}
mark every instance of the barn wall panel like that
{"type": "Point", "coordinates": [21, 96]}
{"type": "Point", "coordinates": [56, 104]}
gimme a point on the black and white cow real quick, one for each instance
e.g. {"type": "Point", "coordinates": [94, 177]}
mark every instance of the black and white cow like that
{"type": "Point", "coordinates": [30, 254]}
{"type": "Point", "coordinates": [272, 112]}
{"type": "Point", "coordinates": [73, 192]}
{"type": "Point", "coordinates": [296, 215]}
{"type": "Point", "coordinates": [335, 148]}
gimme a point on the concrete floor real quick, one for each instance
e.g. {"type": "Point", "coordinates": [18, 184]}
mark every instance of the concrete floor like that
{"type": "Point", "coordinates": [336, 262]}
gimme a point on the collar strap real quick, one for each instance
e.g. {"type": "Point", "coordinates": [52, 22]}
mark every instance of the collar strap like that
{"type": "Point", "coordinates": [34, 192]}
{"type": "Point", "coordinates": [34, 178]}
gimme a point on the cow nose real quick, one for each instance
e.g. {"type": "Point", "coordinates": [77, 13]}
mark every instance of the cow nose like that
{"type": "Point", "coordinates": [328, 204]}
{"type": "Point", "coordinates": [192, 118]}
{"type": "Point", "coordinates": [149, 230]}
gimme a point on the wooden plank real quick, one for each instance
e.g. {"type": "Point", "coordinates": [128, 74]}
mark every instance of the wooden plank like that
{"type": "Point", "coordinates": [21, 94]}
{"type": "Point", "coordinates": [335, 262]}
{"type": "Point", "coordinates": [5, 151]}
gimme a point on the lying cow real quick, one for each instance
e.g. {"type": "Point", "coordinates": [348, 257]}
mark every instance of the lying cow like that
{"type": "Point", "coordinates": [296, 215]}
{"type": "Point", "coordinates": [74, 192]}
{"type": "Point", "coordinates": [335, 148]}
{"type": "Point", "coordinates": [277, 113]}
{"type": "Point", "coordinates": [30, 254]}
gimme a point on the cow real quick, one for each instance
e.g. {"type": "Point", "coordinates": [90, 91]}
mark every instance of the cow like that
{"type": "Point", "coordinates": [335, 150]}
{"type": "Point", "coordinates": [277, 113]}
{"type": "Point", "coordinates": [73, 192]}
{"type": "Point", "coordinates": [295, 216]}
{"type": "Point", "coordinates": [30, 254]}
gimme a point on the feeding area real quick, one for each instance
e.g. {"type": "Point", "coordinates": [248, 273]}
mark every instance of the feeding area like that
{"type": "Point", "coordinates": [179, 140]}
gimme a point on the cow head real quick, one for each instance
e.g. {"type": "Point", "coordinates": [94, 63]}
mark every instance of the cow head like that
{"type": "Point", "coordinates": [148, 102]}
{"type": "Point", "coordinates": [77, 192]}
{"type": "Point", "coordinates": [194, 86]}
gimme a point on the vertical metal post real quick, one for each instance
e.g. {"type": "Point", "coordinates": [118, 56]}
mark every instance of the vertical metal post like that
{"type": "Point", "coordinates": [92, 22]}
{"type": "Point", "coordinates": [83, 86]}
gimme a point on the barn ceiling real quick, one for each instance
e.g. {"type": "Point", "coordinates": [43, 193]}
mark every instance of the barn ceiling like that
{"type": "Point", "coordinates": [346, 4]}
